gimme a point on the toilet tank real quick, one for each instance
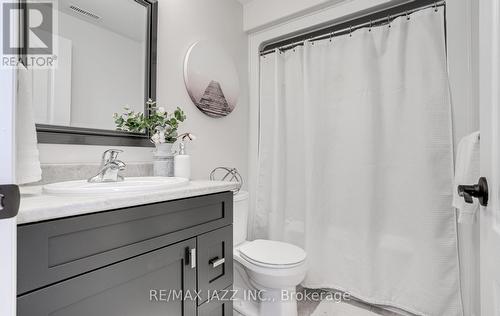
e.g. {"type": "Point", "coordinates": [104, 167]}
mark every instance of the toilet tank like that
{"type": "Point", "coordinates": [240, 217]}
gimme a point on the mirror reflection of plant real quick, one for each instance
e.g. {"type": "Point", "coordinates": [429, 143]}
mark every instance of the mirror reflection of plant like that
{"type": "Point", "coordinates": [161, 125]}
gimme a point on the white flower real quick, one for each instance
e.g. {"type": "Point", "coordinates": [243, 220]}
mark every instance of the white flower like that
{"type": "Point", "coordinates": [161, 110]}
{"type": "Point", "coordinates": [156, 138]}
{"type": "Point", "coordinates": [162, 136]}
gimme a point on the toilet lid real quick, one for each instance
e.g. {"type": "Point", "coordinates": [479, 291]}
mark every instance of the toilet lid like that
{"type": "Point", "coordinates": [269, 252]}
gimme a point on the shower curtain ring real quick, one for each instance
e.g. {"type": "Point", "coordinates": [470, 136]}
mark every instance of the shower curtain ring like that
{"type": "Point", "coordinates": [435, 6]}
{"type": "Point", "coordinates": [407, 16]}
{"type": "Point", "coordinates": [331, 35]}
{"type": "Point", "coordinates": [371, 23]}
{"type": "Point", "coordinates": [389, 20]}
{"type": "Point", "coordinates": [350, 31]}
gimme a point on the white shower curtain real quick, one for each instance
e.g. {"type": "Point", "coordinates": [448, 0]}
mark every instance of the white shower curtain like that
{"type": "Point", "coordinates": [355, 163]}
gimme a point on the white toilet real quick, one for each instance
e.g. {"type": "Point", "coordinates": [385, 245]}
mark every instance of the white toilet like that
{"type": "Point", "coordinates": [266, 272]}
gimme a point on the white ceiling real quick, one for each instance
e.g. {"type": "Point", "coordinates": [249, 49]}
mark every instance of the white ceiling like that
{"type": "Point", "coordinates": [245, 1]}
{"type": "Point", "coordinates": [125, 17]}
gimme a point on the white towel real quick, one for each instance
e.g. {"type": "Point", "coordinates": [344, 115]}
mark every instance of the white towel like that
{"type": "Point", "coordinates": [466, 172]}
{"type": "Point", "coordinates": [27, 156]}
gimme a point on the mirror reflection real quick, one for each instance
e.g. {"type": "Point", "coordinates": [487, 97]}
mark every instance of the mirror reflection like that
{"type": "Point", "coordinates": [102, 49]}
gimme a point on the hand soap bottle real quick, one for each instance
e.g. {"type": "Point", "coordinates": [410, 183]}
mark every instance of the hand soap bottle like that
{"type": "Point", "coordinates": [182, 163]}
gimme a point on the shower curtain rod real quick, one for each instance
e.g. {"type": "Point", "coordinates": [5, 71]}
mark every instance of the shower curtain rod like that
{"type": "Point", "coordinates": [382, 17]}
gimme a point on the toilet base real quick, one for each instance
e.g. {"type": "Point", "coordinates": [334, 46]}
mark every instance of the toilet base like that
{"type": "Point", "coordinates": [277, 302]}
{"type": "Point", "coordinates": [270, 302]}
{"type": "Point", "coordinates": [242, 305]}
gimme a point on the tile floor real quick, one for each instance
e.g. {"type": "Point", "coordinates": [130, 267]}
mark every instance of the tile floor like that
{"type": "Point", "coordinates": [307, 308]}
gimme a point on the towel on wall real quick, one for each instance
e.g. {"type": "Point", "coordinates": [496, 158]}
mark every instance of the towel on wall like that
{"type": "Point", "coordinates": [27, 156]}
{"type": "Point", "coordinates": [466, 172]}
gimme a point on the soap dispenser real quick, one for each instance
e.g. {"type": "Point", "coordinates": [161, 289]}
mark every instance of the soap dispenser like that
{"type": "Point", "coordinates": [182, 163]}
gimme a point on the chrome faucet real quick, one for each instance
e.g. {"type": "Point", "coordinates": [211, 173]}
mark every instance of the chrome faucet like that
{"type": "Point", "coordinates": [110, 168]}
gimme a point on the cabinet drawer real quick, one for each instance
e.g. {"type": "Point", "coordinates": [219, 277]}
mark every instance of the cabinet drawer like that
{"type": "Point", "coordinates": [128, 288]}
{"type": "Point", "coordinates": [51, 251]}
{"type": "Point", "coordinates": [215, 261]}
{"type": "Point", "coordinates": [221, 307]}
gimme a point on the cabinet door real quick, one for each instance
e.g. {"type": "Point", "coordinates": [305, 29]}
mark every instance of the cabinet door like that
{"type": "Point", "coordinates": [215, 261]}
{"type": "Point", "coordinates": [223, 306]}
{"type": "Point", "coordinates": [137, 286]}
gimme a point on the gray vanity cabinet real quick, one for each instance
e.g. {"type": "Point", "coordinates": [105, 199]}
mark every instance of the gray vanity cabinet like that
{"type": "Point", "coordinates": [127, 262]}
{"type": "Point", "coordinates": [128, 288]}
{"type": "Point", "coordinates": [221, 307]}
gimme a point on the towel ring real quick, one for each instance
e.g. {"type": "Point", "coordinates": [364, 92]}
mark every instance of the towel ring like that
{"type": "Point", "coordinates": [227, 174]}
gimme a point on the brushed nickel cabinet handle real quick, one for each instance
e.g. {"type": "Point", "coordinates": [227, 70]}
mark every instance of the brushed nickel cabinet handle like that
{"type": "Point", "coordinates": [215, 262]}
{"type": "Point", "coordinates": [193, 258]}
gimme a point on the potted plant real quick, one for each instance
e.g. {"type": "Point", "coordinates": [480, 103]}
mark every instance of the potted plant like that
{"type": "Point", "coordinates": [161, 126]}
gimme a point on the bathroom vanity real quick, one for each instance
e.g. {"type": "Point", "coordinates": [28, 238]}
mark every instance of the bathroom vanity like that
{"type": "Point", "coordinates": [135, 260]}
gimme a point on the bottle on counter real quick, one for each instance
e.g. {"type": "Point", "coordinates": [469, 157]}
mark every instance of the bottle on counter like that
{"type": "Point", "coordinates": [182, 163]}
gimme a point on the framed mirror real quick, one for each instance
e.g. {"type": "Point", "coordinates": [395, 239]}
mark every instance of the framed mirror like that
{"type": "Point", "coordinates": [106, 60]}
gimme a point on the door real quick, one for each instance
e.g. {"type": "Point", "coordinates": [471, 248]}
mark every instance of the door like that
{"type": "Point", "coordinates": [215, 262]}
{"type": "Point", "coordinates": [220, 305]}
{"type": "Point", "coordinates": [152, 284]}
{"type": "Point", "coordinates": [7, 212]}
{"type": "Point", "coordinates": [489, 46]}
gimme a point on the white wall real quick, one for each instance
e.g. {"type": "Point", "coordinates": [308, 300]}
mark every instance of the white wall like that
{"type": "Point", "coordinates": [259, 13]}
{"type": "Point", "coordinates": [220, 142]}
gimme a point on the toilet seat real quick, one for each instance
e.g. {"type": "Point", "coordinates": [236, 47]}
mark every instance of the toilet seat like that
{"type": "Point", "coordinates": [272, 254]}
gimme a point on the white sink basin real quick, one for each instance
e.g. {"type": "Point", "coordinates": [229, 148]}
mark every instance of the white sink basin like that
{"type": "Point", "coordinates": [133, 184]}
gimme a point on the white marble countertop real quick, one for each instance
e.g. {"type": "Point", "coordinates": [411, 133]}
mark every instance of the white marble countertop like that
{"type": "Point", "coordinates": [38, 206]}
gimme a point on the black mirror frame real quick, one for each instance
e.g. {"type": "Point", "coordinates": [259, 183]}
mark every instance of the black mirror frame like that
{"type": "Point", "coordinates": [53, 134]}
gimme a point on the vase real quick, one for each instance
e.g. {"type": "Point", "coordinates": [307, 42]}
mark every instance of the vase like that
{"type": "Point", "coordinates": [163, 160]}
